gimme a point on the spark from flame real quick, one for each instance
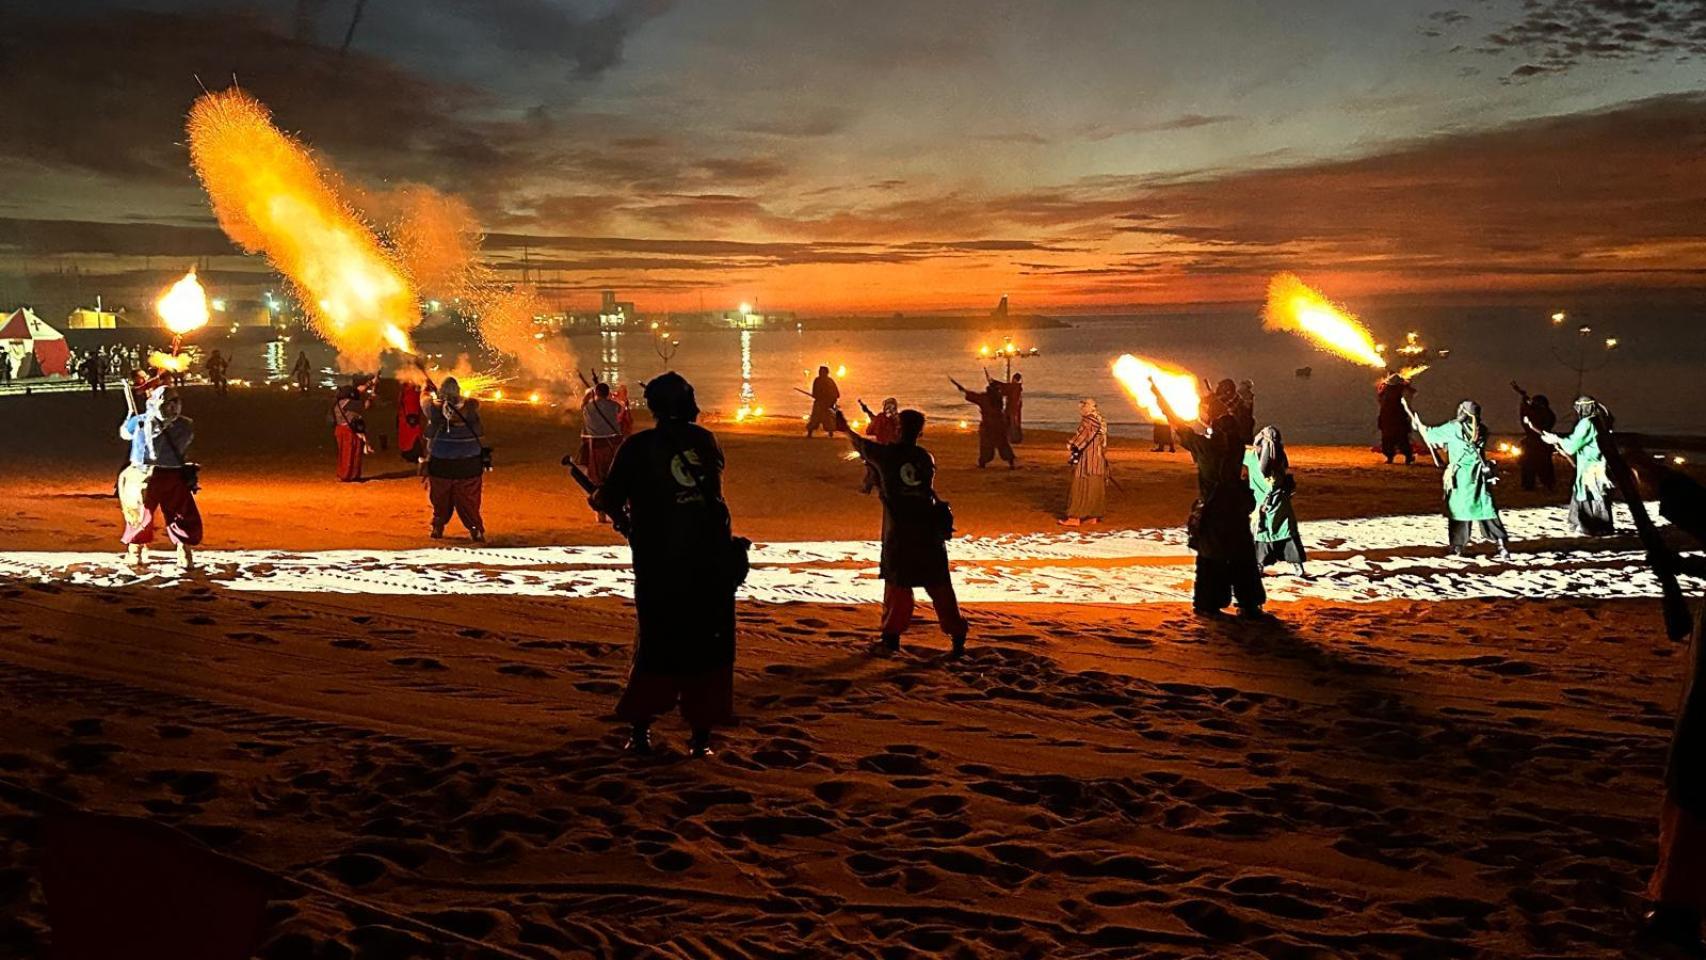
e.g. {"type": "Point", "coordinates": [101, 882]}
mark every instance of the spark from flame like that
{"type": "Point", "coordinates": [1293, 306]}
{"type": "Point", "coordinates": [395, 336]}
{"type": "Point", "coordinates": [169, 362]}
{"type": "Point", "coordinates": [271, 197]}
{"type": "Point", "coordinates": [1411, 373]}
{"type": "Point", "coordinates": [184, 306]}
{"type": "Point", "coordinates": [1178, 385]}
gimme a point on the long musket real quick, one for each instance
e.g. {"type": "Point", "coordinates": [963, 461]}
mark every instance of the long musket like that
{"type": "Point", "coordinates": [619, 521]}
{"type": "Point", "coordinates": [1567, 458]}
{"type": "Point", "coordinates": [1432, 453]}
{"type": "Point", "coordinates": [806, 393]}
{"type": "Point", "coordinates": [1677, 621]}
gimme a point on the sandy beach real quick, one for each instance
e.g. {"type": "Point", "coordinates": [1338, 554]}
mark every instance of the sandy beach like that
{"type": "Point", "coordinates": [1407, 763]}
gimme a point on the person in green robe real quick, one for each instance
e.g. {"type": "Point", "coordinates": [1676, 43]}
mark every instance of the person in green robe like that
{"type": "Point", "coordinates": [1275, 522]}
{"type": "Point", "coordinates": [1590, 499]}
{"type": "Point", "coordinates": [1468, 479]}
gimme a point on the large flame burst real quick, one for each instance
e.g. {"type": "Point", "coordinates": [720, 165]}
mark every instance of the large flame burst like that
{"type": "Point", "coordinates": [183, 306]}
{"type": "Point", "coordinates": [1294, 306]}
{"type": "Point", "coordinates": [1178, 385]}
{"type": "Point", "coordinates": [272, 198]}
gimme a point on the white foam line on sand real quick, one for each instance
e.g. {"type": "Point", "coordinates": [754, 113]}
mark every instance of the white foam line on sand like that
{"type": "Point", "coordinates": [987, 570]}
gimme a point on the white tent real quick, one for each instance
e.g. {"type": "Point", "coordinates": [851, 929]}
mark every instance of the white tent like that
{"type": "Point", "coordinates": [31, 347]}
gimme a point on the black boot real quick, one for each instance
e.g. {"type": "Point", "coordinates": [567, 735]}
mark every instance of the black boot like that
{"type": "Point", "coordinates": [639, 740]}
{"type": "Point", "coordinates": [958, 650]}
{"type": "Point", "coordinates": [1676, 926]}
{"type": "Point", "coordinates": [890, 643]}
{"type": "Point", "coordinates": [700, 745]}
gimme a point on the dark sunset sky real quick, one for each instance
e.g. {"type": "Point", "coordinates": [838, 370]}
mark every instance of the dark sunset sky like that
{"type": "Point", "coordinates": [908, 155]}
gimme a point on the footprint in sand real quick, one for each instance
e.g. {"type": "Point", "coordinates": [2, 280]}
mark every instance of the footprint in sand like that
{"type": "Point", "coordinates": [351, 643]}
{"type": "Point", "coordinates": [523, 670]}
{"type": "Point", "coordinates": [419, 663]}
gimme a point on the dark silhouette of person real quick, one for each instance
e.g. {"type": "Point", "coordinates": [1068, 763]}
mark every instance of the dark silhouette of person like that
{"type": "Point", "coordinates": [216, 366]}
{"type": "Point", "coordinates": [1393, 422]}
{"type": "Point", "coordinates": [992, 438]}
{"type": "Point", "coordinates": [1014, 398]}
{"type": "Point", "coordinates": [1677, 888]}
{"type": "Point", "coordinates": [668, 482]}
{"type": "Point", "coordinates": [1219, 525]}
{"type": "Point", "coordinates": [1534, 457]}
{"type": "Point", "coordinates": [915, 533]}
{"type": "Point", "coordinates": [824, 396]}
{"type": "Point", "coordinates": [302, 372]}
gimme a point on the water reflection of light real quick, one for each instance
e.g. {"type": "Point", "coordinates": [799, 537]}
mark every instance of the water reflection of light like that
{"type": "Point", "coordinates": [277, 368]}
{"type": "Point", "coordinates": [746, 393]}
{"type": "Point", "coordinates": [610, 355]}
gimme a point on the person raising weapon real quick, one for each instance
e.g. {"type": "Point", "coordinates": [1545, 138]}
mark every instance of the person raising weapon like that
{"type": "Point", "coordinates": [916, 528]}
{"type": "Point", "coordinates": [1219, 525]}
{"type": "Point", "coordinates": [159, 478]}
{"type": "Point", "coordinates": [881, 428]}
{"type": "Point", "coordinates": [1590, 494]}
{"type": "Point", "coordinates": [992, 436]}
{"type": "Point", "coordinates": [1468, 478]}
{"type": "Point", "coordinates": [1535, 456]}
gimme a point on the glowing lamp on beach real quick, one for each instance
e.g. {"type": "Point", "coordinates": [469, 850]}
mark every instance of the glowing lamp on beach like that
{"type": "Point", "coordinates": [1611, 343]}
{"type": "Point", "coordinates": [1178, 385]}
{"type": "Point", "coordinates": [963, 424]}
{"type": "Point", "coordinates": [983, 351]}
{"type": "Point", "coordinates": [1558, 318]}
{"type": "Point", "coordinates": [183, 307]}
{"type": "Point", "coordinates": [841, 371]}
{"type": "Point", "coordinates": [533, 397]}
{"type": "Point", "coordinates": [1679, 461]}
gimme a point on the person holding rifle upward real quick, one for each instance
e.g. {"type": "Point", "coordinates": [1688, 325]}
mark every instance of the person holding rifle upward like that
{"type": "Point", "coordinates": [881, 428]}
{"type": "Point", "coordinates": [916, 527]}
{"type": "Point", "coordinates": [992, 437]}
{"type": "Point", "coordinates": [1535, 458]}
{"type": "Point", "coordinates": [1219, 525]}
{"type": "Point", "coordinates": [1469, 477]}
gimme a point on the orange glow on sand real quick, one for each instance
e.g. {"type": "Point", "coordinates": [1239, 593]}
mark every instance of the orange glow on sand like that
{"type": "Point", "coordinates": [272, 198]}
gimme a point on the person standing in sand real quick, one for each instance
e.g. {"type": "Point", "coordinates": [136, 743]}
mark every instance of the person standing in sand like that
{"type": "Point", "coordinates": [1590, 495]}
{"type": "Point", "coordinates": [601, 435]}
{"type": "Point", "coordinates": [668, 483]}
{"type": "Point", "coordinates": [455, 470]}
{"type": "Point", "coordinates": [825, 394]}
{"type": "Point", "coordinates": [411, 421]}
{"type": "Point", "coordinates": [1271, 483]}
{"type": "Point", "coordinates": [158, 478]}
{"type": "Point", "coordinates": [1535, 458]}
{"type": "Point", "coordinates": [916, 527]}
{"type": "Point", "coordinates": [1392, 394]}
{"type": "Point", "coordinates": [1087, 501]}
{"type": "Point", "coordinates": [349, 427]}
{"type": "Point", "coordinates": [991, 424]}
{"type": "Point", "coordinates": [1677, 888]}
{"type": "Point", "coordinates": [1219, 525]}
{"type": "Point", "coordinates": [302, 373]}
{"type": "Point", "coordinates": [1013, 401]}
{"type": "Point", "coordinates": [215, 367]}
{"type": "Point", "coordinates": [1468, 479]}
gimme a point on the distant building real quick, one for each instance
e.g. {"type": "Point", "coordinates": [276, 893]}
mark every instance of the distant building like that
{"type": "Point", "coordinates": [1000, 311]}
{"type": "Point", "coordinates": [85, 318]}
{"type": "Point", "coordinates": [614, 314]}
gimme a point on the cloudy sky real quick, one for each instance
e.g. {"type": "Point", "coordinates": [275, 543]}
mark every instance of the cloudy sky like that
{"type": "Point", "coordinates": [906, 155]}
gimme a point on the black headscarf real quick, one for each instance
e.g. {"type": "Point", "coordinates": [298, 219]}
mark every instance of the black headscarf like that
{"type": "Point", "coordinates": [670, 397]}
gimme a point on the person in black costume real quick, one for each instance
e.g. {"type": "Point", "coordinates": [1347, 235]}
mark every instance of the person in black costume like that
{"type": "Point", "coordinates": [1393, 422]}
{"type": "Point", "coordinates": [1219, 525]}
{"type": "Point", "coordinates": [667, 482]}
{"type": "Point", "coordinates": [992, 436]}
{"type": "Point", "coordinates": [915, 551]}
{"type": "Point", "coordinates": [1677, 888]}
{"type": "Point", "coordinates": [1534, 458]}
